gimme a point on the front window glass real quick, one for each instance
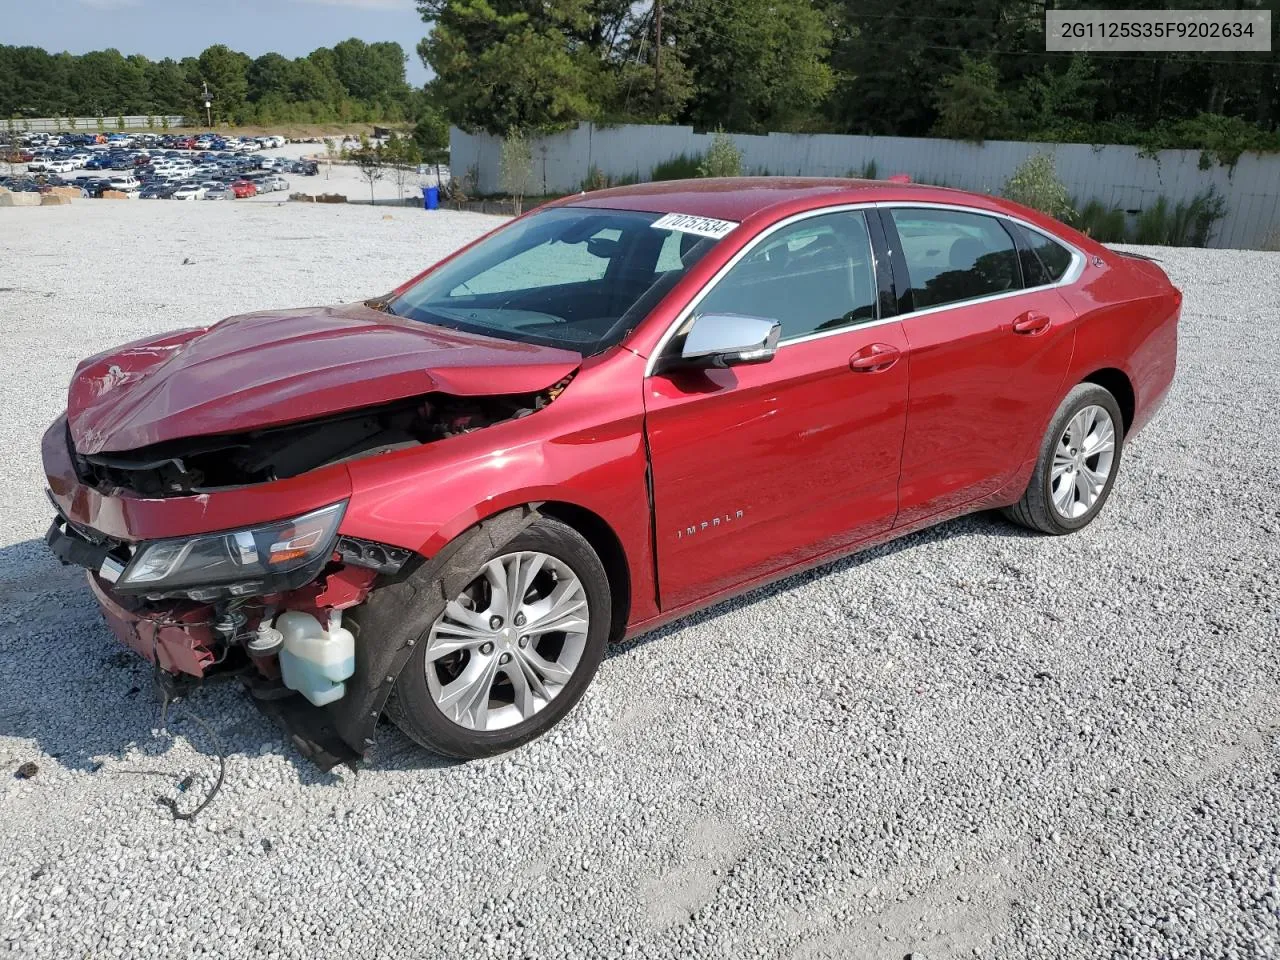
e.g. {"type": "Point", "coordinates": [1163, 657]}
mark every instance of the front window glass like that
{"type": "Point", "coordinates": [812, 276]}
{"type": "Point", "coordinates": [571, 277]}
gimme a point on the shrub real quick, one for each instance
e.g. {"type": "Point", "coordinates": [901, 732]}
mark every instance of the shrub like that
{"type": "Point", "coordinates": [515, 167]}
{"type": "Point", "coordinates": [681, 167]}
{"type": "Point", "coordinates": [724, 159]}
{"type": "Point", "coordinates": [1106, 225]}
{"type": "Point", "coordinates": [1035, 184]}
{"type": "Point", "coordinates": [1189, 224]}
{"type": "Point", "coordinates": [594, 180]}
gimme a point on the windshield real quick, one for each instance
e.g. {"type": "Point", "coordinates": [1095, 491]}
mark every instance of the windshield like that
{"type": "Point", "coordinates": [569, 277]}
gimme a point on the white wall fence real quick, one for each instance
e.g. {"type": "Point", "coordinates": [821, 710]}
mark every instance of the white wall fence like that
{"type": "Point", "coordinates": [89, 124]}
{"type": "Point", "coordinates": [1114, 175]}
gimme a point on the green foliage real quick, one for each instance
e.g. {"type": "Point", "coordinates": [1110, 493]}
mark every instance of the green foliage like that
{"type": "Point", "coordinates": [515, 167]}
{"type": "Point", "coordinates": [755, 65]}
{"type": "Point", "coordinates": [506, 65]}
{"type": "Point", "coordinates": [431, 134]}
{"type": "Point", "coordinates": [120, 122]}
{"type": "Point", "coordinates": [364, 80]}
{"type": "Point", "coordinates": [1035, 184]}
{"type": "Point", "coordinates": [1102, 223]}
{"type": "Point", "coordinates": [869, 171]}
{"type": "Point", "coordinates": [970, 105]}
{"type": "Point", "coordinates": [1189, 224]}
{"type": "Point", "coordinates": [1058, 105]}
{"type": "Point", "coordinates": [723, 158]}
{"type": "Point", "coordinates": [683, 166]}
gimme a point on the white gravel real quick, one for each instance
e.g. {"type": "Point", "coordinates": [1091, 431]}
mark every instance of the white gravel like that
{"type": "Point", "coordinates": [972, 742]}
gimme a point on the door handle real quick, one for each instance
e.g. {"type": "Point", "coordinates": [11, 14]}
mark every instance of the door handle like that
{"type": "Point", "coordinates": [1031, 322]}
{"type": "Point", "coordinates": [874, 357]}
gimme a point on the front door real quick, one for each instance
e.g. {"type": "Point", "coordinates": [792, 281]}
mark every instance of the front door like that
{"type": "Point", "coordinates": [759, 467]}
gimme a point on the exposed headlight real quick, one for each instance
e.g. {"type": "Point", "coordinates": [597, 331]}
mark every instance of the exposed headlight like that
{"type": "Point", "coordinates": [239, 562]}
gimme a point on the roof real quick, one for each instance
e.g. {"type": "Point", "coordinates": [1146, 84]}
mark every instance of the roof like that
{"type": "Point", "coordinates": [740, 197]}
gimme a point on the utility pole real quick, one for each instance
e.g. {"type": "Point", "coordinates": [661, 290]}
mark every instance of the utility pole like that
{"type": "Point", "coordinates": [208, 103]}
{"type": "Point", "coordinates": [657, 46]}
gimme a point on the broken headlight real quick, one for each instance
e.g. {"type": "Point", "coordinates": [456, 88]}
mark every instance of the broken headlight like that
{"type": "Point", "coordinates": [255, 560]}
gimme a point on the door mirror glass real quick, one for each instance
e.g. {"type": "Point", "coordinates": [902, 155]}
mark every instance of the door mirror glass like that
{"type": "Point", "coordinates": [726, 339]}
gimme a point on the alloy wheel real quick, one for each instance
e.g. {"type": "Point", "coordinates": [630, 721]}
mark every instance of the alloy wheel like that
{"type": "Point", "coordinates": [1082, 462]}
{"type": "Point", "coordinates": [509, 643]}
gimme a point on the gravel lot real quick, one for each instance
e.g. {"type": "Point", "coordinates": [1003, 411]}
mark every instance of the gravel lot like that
{"type": "Point", "coordinates": [971, 742]}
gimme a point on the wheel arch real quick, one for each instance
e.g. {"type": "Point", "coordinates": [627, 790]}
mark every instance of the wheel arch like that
{"type": "Point", "coordinates": [1116, 382]}
{"type": "Point", "coordinates": [608, 547]}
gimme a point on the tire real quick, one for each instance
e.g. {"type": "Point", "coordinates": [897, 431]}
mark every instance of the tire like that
{"type": "Point", "coordinates": [1040, 507]}
{"type": "Point", "coordinates": [415, 703]}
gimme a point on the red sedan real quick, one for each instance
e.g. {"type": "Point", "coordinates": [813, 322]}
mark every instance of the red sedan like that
{"type": "Point", "coordinates": [617, 409]}
{"type": "Point", "coordinates": [243, 189]}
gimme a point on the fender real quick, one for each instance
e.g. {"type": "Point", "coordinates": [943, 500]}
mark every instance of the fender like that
{"type": "Point", "coordinates": [392, 621]}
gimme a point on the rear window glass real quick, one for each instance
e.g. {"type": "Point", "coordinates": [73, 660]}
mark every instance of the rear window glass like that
{"type": "Point", "coordinates": [953, 256]}
{"type": "Point", "coordinates": [1043, 260]}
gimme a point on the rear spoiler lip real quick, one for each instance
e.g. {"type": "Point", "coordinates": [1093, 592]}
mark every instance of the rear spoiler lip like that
{"type": "Point", "coordinates": [1138, 256]}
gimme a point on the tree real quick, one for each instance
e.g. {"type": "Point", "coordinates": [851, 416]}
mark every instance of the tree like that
{"type": "Point", "coordinates": [271, 76]}
{"type": "Point", "coordinates": [402, 156]}
{"type": "Point", "coordinates": [226, 73]}
{"type": "Point", "coordinates": [515, 167]}
{"type": "Point", "coordinates": [370, 71]}
{"type": "Point", "coordinates": [755, 64]}
{"type": "Point", "coordinates": [371, 163]}
{"type": "Point", "coordinates": [431, 134]}
{"type": "Point", "coordinates": [508, 65]}
{"type": "Point", "coordinates": [970, 106]}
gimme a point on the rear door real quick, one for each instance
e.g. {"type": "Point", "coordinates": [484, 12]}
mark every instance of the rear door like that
{"type": "Point", "coordinates": [988, 352]}
{"type": "Point", "coordinates": [760, 467]}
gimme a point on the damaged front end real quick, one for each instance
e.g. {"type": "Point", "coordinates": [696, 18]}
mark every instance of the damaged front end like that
{"type": "Point", "coordinates": [265, 602]}
{"type": "Point", "coordinates": [179, 468]}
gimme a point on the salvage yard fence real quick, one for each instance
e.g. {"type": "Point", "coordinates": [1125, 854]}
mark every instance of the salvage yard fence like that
{"type": "Point", "coordinates": [1117, 176]}
{"type": "Point", "coordinates": [110, 124]}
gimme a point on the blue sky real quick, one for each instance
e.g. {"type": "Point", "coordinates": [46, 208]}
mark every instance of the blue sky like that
{"type": "Point", "coordinates": [180, 28]}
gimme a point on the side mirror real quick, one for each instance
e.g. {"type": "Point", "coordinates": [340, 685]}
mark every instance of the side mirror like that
{"type": "Point", "coordinates": [727, 339]}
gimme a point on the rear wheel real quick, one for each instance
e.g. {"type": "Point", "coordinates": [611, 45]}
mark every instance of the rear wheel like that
{"type": "Point", "coordinates": [1079, 459]}
{"type": "Point", "coordinates": [512, 653]}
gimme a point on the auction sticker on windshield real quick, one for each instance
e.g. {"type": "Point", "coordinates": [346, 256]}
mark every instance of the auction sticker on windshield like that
{"type": "Point", "coordinates": [686, 223]}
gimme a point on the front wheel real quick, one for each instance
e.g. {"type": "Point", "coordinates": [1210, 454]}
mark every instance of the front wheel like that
{"type": "Point", "coordinates": [1079, 459]}
{"type": "Point", "coordinates": [511, 654]}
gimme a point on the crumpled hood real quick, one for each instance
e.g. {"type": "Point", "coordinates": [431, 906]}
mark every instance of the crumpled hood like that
{"type": "Point", "coordinates": [266, 369]}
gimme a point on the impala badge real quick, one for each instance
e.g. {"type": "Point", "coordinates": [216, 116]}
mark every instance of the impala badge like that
{"type": "Point", "coordinates": [706, 525]}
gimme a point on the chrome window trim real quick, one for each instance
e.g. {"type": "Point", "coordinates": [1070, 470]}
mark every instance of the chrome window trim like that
{"type": "Point", "coordinates": [1071, 275]}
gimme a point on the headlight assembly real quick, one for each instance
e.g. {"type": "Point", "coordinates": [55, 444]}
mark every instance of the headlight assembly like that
{"type": "Point", "coordinates": [255, 560]}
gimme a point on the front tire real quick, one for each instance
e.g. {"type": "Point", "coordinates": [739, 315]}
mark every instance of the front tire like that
{"type": "Point", "coordinates": [1079, 460]}
{"type": "Point", "coordinates": [513, 653]}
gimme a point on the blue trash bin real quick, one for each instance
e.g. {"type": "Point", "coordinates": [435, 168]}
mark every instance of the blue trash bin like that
{"type": "Point", "coordinates": [430, 198]}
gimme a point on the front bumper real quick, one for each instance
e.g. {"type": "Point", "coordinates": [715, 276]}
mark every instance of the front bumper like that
{"type": "Point", "coordinates": [179, 637]}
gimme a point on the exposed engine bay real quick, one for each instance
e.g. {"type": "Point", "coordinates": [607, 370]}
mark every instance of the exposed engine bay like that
{"type": "Point", "coordinates": [196, 465]}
